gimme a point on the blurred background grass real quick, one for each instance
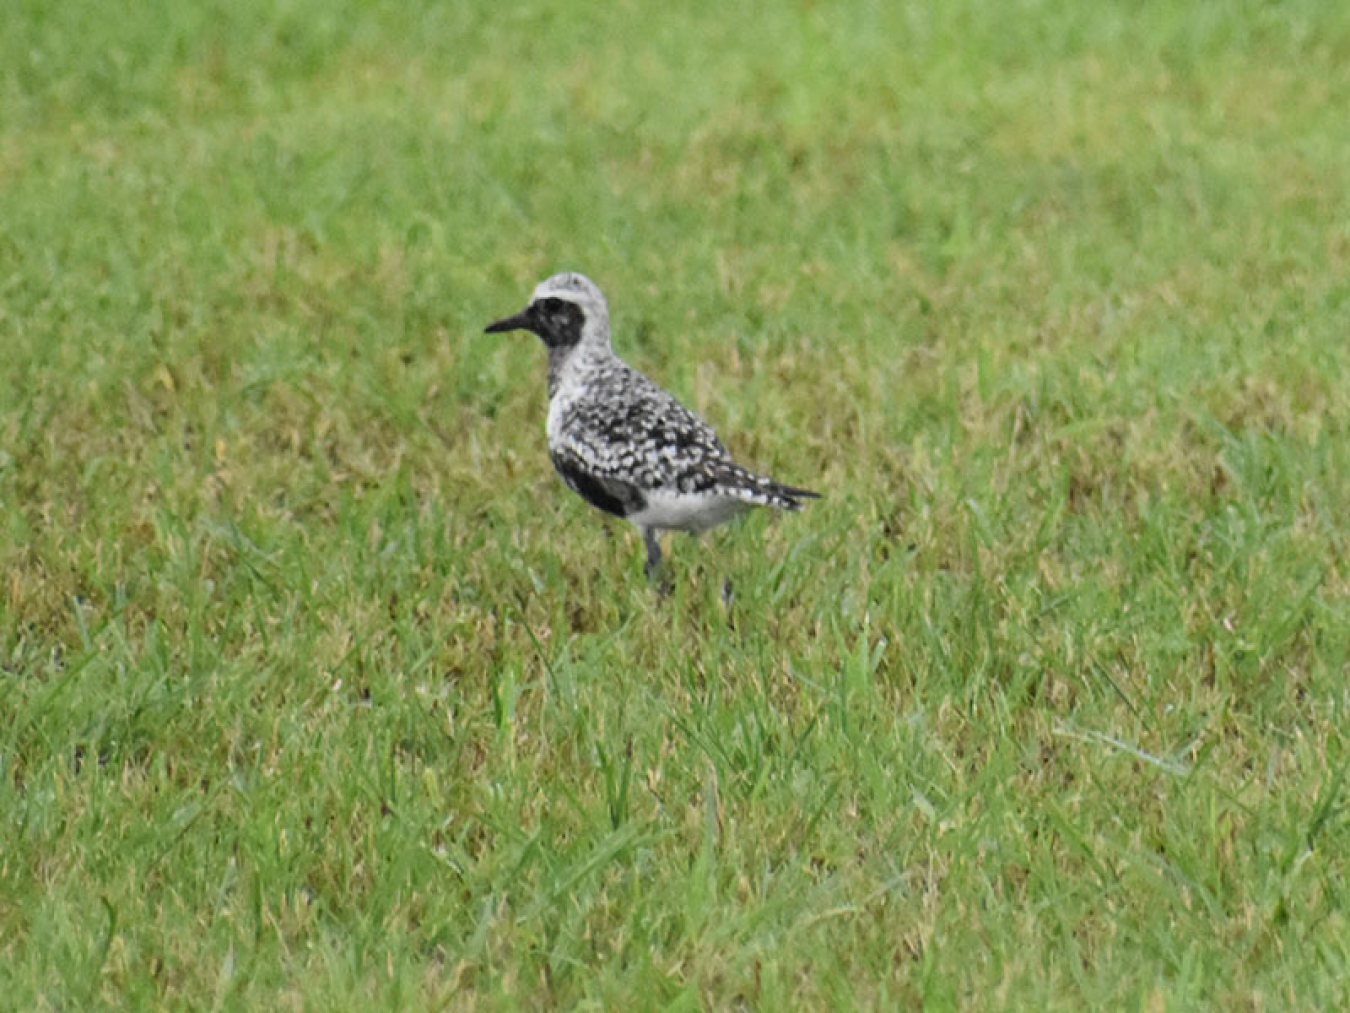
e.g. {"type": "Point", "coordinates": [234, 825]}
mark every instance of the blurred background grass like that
{"type": "Point", "coordinates": [322, 690]}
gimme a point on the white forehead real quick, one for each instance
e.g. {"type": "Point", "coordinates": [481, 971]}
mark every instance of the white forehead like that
{"type": "Point", "coordinates": [571, 286]}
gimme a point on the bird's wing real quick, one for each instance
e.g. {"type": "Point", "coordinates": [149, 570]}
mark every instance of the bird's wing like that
{"type": "Point", "coordinates": [644, 438]}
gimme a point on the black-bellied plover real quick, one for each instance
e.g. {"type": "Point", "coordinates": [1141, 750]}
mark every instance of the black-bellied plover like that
{"type": "Point", "coordinates": [621, 442]}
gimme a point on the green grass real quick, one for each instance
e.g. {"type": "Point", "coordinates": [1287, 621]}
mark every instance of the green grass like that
{"type": "Point", "coordinates": [318, 690]}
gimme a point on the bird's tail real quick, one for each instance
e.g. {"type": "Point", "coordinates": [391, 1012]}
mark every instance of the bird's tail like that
{"type": "Point", "coordinates": [793, 494]}
{"type": "Point", "coordinates": [764, 491]}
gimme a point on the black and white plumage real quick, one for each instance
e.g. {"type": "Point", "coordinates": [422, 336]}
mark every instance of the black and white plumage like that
{"type": "Point", "coordinates": [621, 442]}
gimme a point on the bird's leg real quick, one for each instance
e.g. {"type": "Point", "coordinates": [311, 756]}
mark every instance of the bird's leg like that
{"type": "Point", "coordinates": [653, 553]}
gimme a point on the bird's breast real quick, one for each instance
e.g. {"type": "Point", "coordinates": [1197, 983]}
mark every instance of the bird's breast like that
{"type": "Point", "coordinates": [558, 406]}
{"type": "Point", "coordinates": [566, 388]}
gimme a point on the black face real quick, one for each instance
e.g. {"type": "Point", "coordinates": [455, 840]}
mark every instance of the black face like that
{"type": "Point", "coordinates": [556, 321]}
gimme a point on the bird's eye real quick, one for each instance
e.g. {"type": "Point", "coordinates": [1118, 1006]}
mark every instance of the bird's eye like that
{"type": "Point", "coordinates": [552, 304]}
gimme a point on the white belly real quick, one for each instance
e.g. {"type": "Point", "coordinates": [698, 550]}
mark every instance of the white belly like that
{"type": "Point", "coordinates": [678, 511]}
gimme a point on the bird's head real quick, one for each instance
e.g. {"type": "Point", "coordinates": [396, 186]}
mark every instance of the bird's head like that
{"type": "Point", "coordinates": [564, 311]}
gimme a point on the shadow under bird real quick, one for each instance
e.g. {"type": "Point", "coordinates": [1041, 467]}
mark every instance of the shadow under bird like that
{"type": "Point", "coordinates": [622, 443]}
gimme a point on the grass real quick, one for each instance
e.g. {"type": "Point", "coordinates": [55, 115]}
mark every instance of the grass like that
{"type": "Point", "coordinates": [320, 691]}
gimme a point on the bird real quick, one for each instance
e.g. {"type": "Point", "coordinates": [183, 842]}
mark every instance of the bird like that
{"type": "Point", "coordinates": [621, 442]}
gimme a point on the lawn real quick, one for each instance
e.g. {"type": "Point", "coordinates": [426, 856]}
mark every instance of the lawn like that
{"type": "Point", "coordinates": [318, 690]}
